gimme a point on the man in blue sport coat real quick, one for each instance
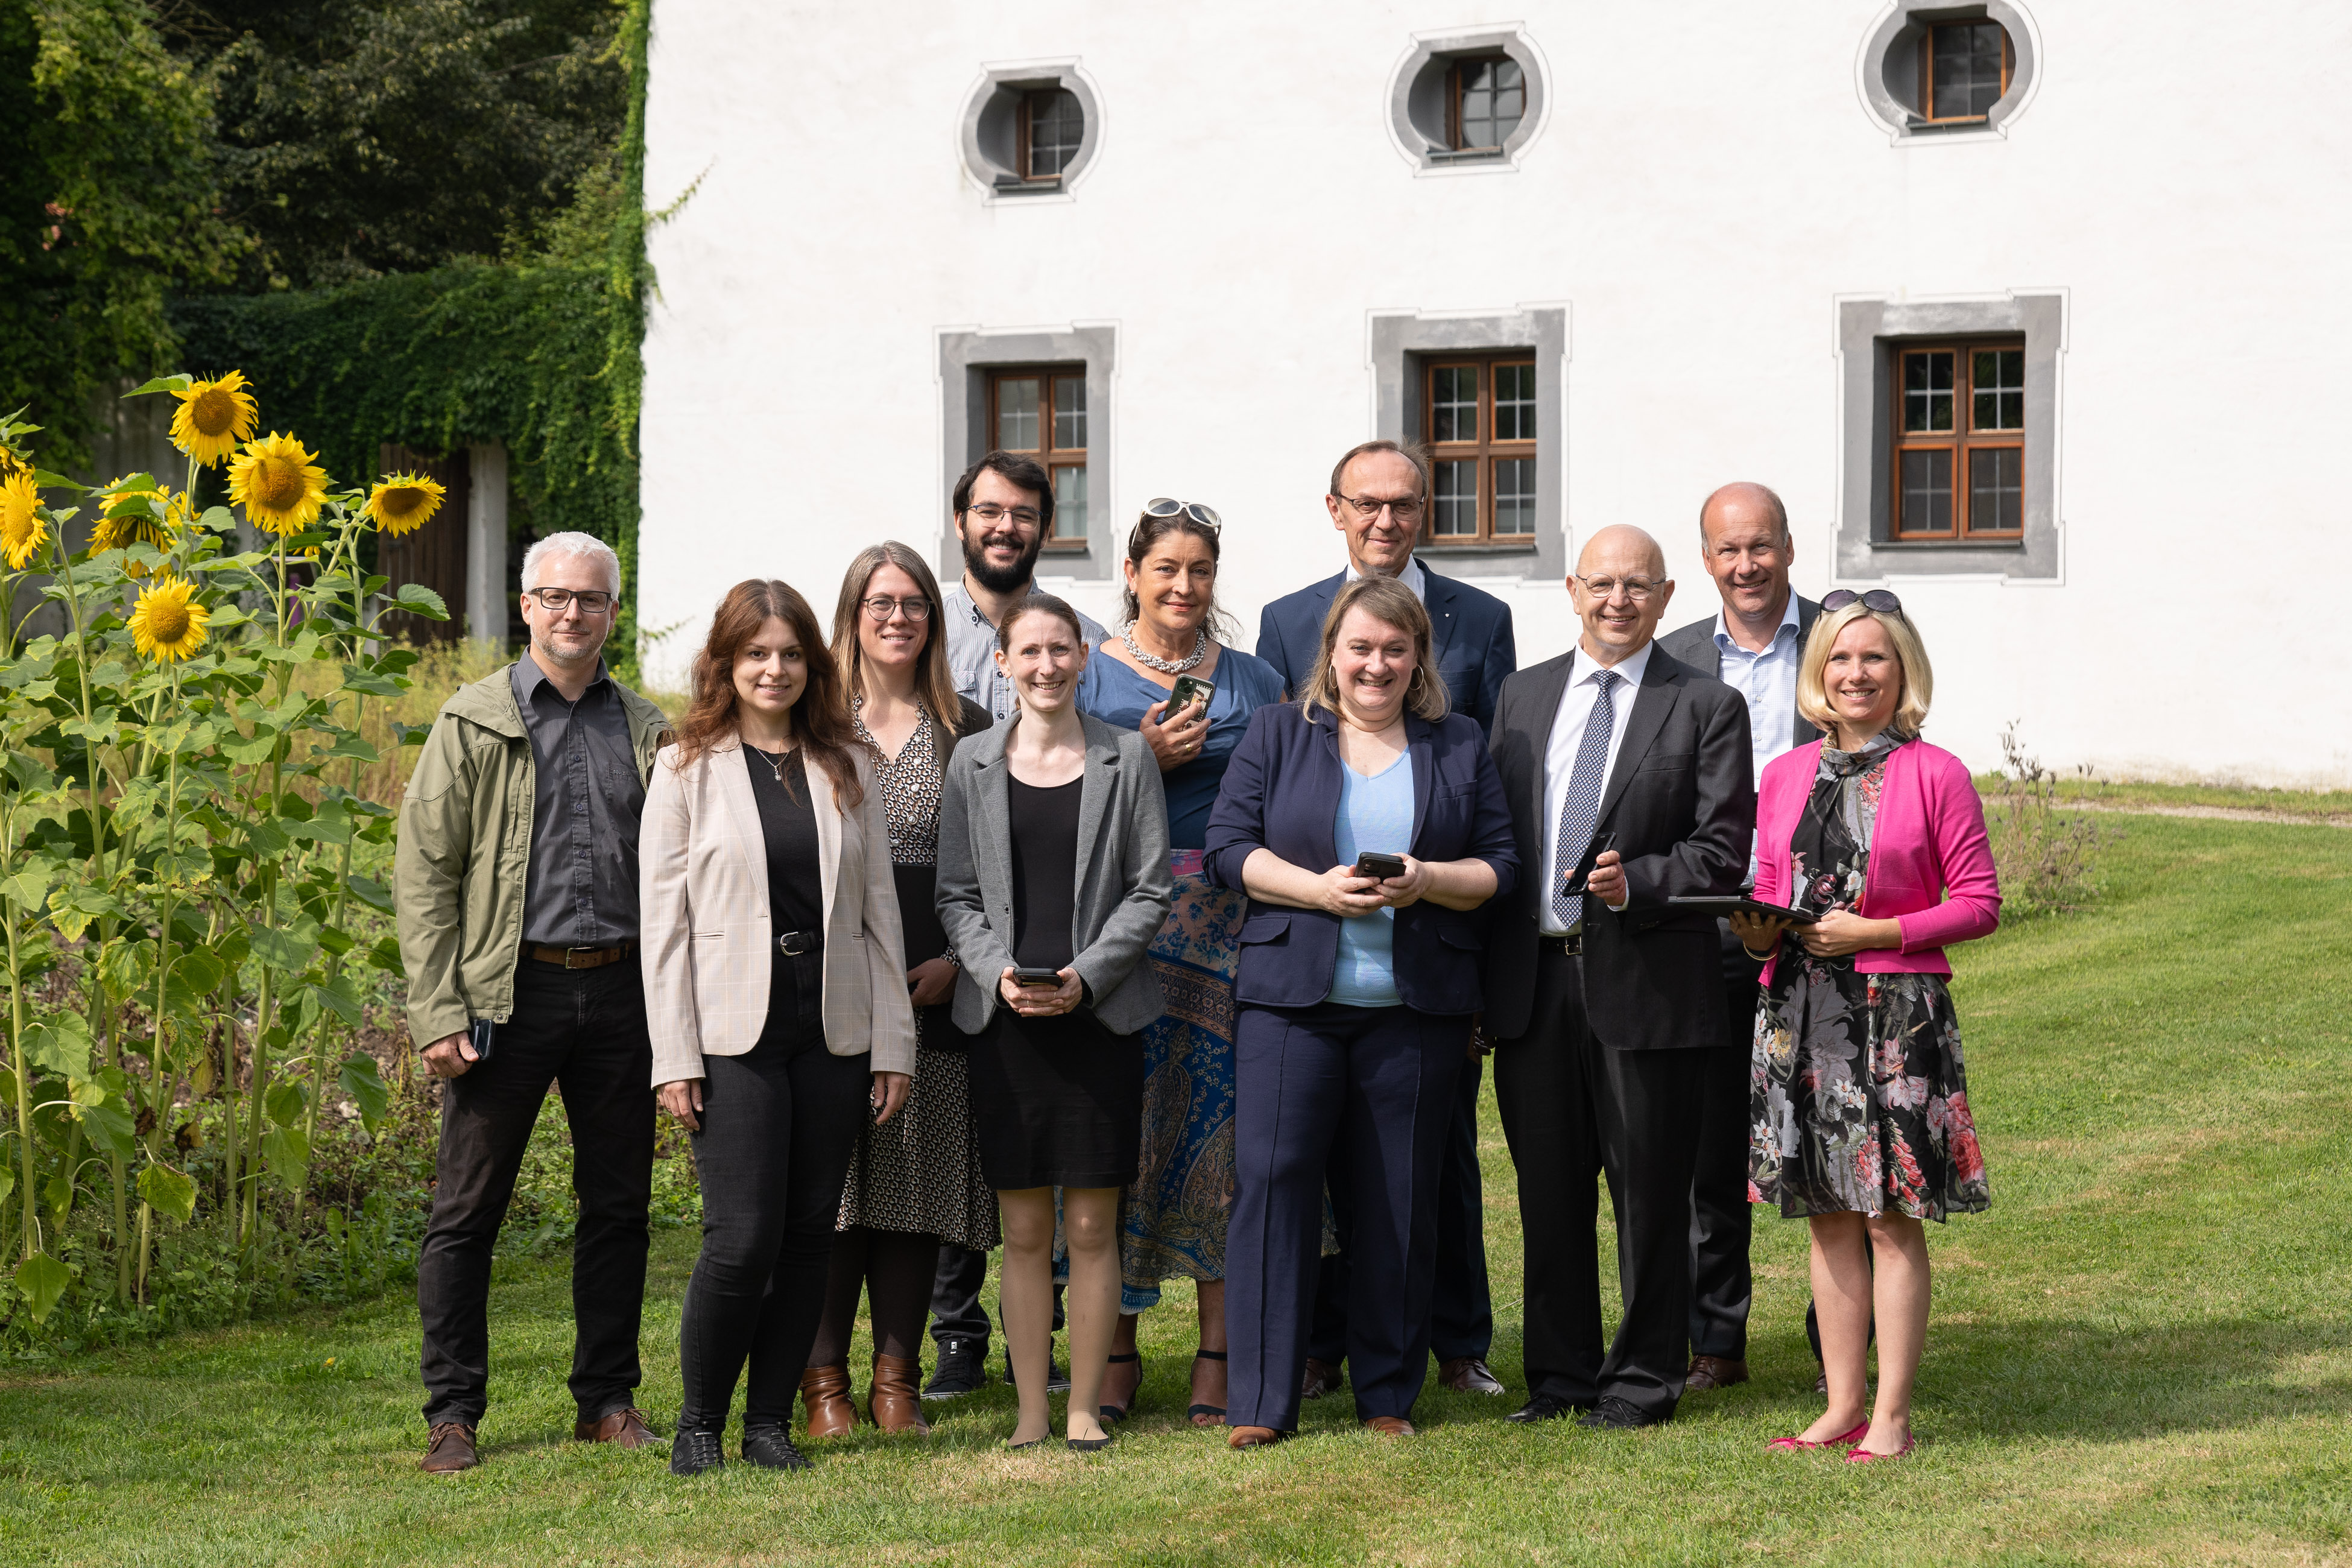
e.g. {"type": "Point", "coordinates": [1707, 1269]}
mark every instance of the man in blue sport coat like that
{"type": "Point", "coordinates": [1378, 497]}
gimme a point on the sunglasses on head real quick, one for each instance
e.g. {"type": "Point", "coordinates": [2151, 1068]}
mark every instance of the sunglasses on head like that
{"type": "Point", "coordinates": [1165, 506]}
{"type": "Point", "coordinates": [1877, 599]}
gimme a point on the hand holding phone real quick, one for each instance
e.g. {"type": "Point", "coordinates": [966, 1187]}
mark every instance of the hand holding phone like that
{"type": "Point", "coordinates": [1050, 979]}
{"type": "Point", "coordinates": [1188, 688]}
{"type": "Point", "coordinates": [1371, 863]}
{"type": "Point", "coordinates": [1574, 887]}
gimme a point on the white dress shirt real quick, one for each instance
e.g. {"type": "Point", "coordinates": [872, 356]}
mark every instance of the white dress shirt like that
{"type": "Point", "coordinates": [1412, 577]}
{"type": "Point", "coordinates": [1559, 756]}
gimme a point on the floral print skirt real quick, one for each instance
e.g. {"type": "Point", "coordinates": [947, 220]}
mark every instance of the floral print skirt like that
{"type": "Point", "coordinates": [1859, 1099]}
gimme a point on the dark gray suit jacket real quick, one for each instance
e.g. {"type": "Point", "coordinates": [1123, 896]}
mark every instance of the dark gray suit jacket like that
{"type": "Point", "coordinates": [1693, 645]}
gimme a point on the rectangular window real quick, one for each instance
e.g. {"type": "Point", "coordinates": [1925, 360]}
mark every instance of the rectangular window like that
{"type": "Point", "coordinates": [1960, 441]}
{"type": "Point", "coordinates": [1052, 125]}
{"type": "Point", "coordinates": [1964, 68]}
{"type": "Point", "coordinates": [1042, 413]}
{"type": "Point", "coordinates": [1481, 431]}
{"type": "Point", "coordinates": [1490, 99]}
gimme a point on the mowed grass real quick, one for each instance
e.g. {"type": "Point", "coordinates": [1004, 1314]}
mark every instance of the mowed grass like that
{"type": "Point", "coordinates": [2143, 1353]}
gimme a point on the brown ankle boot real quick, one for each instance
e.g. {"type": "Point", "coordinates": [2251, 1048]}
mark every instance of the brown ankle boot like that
{"type": "Point", "coordinates": [825, 1391]}
{"type": "Point", "coordinates": [896, 1401]}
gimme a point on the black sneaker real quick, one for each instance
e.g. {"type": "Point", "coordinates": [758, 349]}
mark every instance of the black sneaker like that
{"type": "Point", "coordinates": [962, 1369]}
{"type": "Point", "coordinates": [1058, 1376]}
{"type": "Point", "coordinates": [769, 1448]}
{"type": "Point", "coordinates": [691, 1453]}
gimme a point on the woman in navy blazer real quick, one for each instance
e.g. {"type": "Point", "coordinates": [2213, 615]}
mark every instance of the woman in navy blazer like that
{"type": "Point", "coordinates": [1354, 998]}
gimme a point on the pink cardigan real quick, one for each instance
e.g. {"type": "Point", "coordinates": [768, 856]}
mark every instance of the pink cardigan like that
{"type": "Point", "coordinates": [1930, 862]}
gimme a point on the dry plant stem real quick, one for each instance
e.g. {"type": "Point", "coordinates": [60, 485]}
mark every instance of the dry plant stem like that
{"type": "Point", "coordinates": [17, 1024]}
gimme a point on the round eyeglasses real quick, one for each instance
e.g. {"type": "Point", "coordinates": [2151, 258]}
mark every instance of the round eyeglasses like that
{"type": "Point", "coordinates": [881, 605]}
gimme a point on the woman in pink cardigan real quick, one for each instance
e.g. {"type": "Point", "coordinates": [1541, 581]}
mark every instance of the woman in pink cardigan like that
{"type": "Point", "coordinates": [1860, 1113]}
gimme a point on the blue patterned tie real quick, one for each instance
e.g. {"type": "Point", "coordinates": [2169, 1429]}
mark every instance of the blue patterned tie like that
{"type": "Point", "coordinates": [1579, 811]}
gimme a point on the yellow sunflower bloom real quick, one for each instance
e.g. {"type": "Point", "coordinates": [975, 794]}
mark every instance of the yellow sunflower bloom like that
{"type": "Point", "coordinates": [168, 622]}
{"type": "Point", "coordinates": [21, 532]}
{"type": "Point", "coordinates": [214, 417]}
{"type": "Point", "coordinates": [403, 503]}
{"type": "Point", "coordinates": [118, 526]}
{"type": "Point", "coordinates": [278, 483]}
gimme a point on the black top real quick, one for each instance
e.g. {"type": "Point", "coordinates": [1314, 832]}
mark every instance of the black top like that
{"type": "Point", "coordinates": [581, 890]}
{"type": "Point", "coordinates": [788, 824]}
{"type": "Point", "coordinates": [1045, 872]}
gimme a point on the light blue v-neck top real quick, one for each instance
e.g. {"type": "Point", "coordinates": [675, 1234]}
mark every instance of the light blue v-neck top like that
{"type": "Point", "coordinates": [1375, 813]}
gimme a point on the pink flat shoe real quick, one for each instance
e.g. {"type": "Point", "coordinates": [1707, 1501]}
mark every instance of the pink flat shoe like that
{"type": "Point", "coordinates": [1864, 1455]}
{"type": "Point", "coordinates": [1799, 1444]}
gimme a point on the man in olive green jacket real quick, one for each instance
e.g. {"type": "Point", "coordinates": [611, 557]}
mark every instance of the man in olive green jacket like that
{"type": "Point", "coordinates": [515, 893]}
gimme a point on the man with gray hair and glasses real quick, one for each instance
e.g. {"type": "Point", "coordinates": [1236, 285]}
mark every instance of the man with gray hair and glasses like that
{"type": "Point", "coordinates": [516, 894]}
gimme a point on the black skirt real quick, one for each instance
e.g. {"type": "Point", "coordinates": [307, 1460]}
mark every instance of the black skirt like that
{"type": "Point", "coordinates": [1058, 1103]}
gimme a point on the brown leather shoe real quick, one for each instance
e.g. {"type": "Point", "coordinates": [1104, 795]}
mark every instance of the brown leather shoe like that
{"type": "Point", "coordinates": [1713, 1372]}
{"type": "Point", "coordinates": [1321, 1378]}
{"type": "Point", "coordinates": [1253, 1436]}
{"type": "Point", "coordinates": [824, 1390]}
{"type": "Point", "coordinates": [625, 1426]}
{"type": "Point", "coordinates": [1389, 1427]}
{"type": "Point", "coordinates": [448, 1448]}
{"type": "Point", "coordinates": [1467, 1374]}
{"type": "Point", "coordinates": [895, 1398]}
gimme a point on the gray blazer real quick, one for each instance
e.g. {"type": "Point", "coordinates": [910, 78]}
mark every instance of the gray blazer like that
{"type": "Point", "coordinates": [1693, 645]}
{"type": "Point", "coordinates": [1124, 888]}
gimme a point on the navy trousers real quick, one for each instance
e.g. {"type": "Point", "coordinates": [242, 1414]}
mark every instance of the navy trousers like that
{"type": "Point", "coordinates": [1367, 1091]}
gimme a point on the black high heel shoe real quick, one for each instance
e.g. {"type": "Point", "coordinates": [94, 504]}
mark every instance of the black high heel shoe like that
{"type": "Point", "coordinates": [1217, 1413]}
{"type": "Point", "coordinates": [1118, 1412]}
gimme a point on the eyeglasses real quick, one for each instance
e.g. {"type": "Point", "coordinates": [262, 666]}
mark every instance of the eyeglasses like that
{"type": "Point", "coordinates": [880, 606]}
{"type": "Point", "coordinates": [592, 602]}
{"type": "Point", "coordinates": [1163, 506]}
{"type": "Point", "coordinates": [1878, 599]}
{"type": "Point", "coordinates": [1367, 507]}
{"type": "Point", "coordinates": [1637, 589]}
{"type": "Point", "coordinates": [989, 511]}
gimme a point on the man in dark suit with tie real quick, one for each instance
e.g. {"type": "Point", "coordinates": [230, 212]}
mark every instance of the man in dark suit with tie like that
{"type": "Point", "coordinates": [1627, 767]}
{"type": "Point", "coordinates": [1753, 644]}
{"type": "Point", "coordinates": [1379, 496]}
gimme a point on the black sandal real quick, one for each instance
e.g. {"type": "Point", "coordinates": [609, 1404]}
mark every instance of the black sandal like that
{"type": "Point", "coordinates": [1216, 1411]}
{"type": "Point", "coordinates": [1118, 1412]}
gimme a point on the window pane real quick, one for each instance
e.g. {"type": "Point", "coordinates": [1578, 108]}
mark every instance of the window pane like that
{"type": "Point", "coordinates": [1926, 493]}
{"type": "Point", "coordinates": [1996, 490]}
{"type": "Point", "coordinates": [1457, 512]}
{"type": "Point", "coordinates": [1515, 495]}
{"type": "Point", "coordinates": [1968, 69]}
{"type": "Point", "coordinates": [1016, 414]}
{"type": "Point", "coordinates": [1069, 414]}
{"type": "Point", "coordinates": [2000, 377]}
{"type": "Point", "coordinates": [1515, 404]}
{"type": "Point", "coordinates": [1494, 99]}
{"type": "Point", "coordinates": [1927, 391]}
{"type": "Point", "coordinates": [1070, 501]}
{"type": "Point", "coordinates": [1454, 402]}
{"type": "Point", "coordinates": [1055, 125]}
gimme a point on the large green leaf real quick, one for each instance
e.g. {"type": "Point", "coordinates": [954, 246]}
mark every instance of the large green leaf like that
{"type": "Point", "coordinates": [286, 949]}
{"type": "Point", "coordinates": [286, 1102]}
{"type": "Point", "coordinates": [169, 1191]}
{"type": "Point", "coordinates": [105, 1117]}
{"type": "Point", "coordinates": [420, 600]}
{"type": "Point", "coordinates": [59, 1043]}
{"type": "Point", "coordinates": [286, 1153]}
{"type": "Point", "coordinates": [343, 996]}
{"type": "Point", "coordinates": [365, 1085]}
{"type": "Point", "coordinates": [43, 1280]}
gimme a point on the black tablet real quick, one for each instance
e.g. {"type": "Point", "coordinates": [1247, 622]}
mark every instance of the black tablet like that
{"type": "Point", "coordinates": [1736, 903]}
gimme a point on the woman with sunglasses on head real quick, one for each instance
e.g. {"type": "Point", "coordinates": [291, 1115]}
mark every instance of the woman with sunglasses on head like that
{"type": "Point", "coordinates": [1053, 877]}
{"type": "Point", "coordinates": [915, 1180]}
{"type": "Point", "coordinates": [776, 992]}
{"type": "Point", "coordinates": [1860, 1107]}
{"type": "Point", "coordinates": [1172, 1223]}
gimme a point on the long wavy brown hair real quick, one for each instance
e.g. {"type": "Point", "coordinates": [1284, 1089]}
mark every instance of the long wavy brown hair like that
{"type": "Point", "coordinates": [934, 681]}
{"type": "Point", "coordinates": [821, 717]}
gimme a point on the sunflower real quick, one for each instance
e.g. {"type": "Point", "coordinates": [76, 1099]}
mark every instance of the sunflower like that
{"type": "Point", "coordinates": [403, 503]}
{"type": "Point", "coordinates": [21, 532]}
{"type": "Point", "coordinates": [121, 526]}
{"type": "Point", "coordinates": [213, 418]}
{"type": "Point", "coordinates": [278, 484]}
{"type": "Point", "coordinates": [168, 622]}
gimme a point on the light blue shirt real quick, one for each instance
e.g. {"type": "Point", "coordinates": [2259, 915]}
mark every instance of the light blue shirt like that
{"type": "Point", "coordinates": [1769, 681]}
{"type": "Point", "coordinates": [1375, 813]}
{"type": "Point", "coordinates": [972, 650]}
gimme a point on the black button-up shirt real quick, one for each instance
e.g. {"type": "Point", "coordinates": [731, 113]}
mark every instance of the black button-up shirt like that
{"type": "Point", "coordinates": [587, 800]}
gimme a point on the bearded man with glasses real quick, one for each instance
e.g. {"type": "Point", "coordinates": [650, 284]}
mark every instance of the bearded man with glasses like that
{"type": "Point", "coordinates": [516, 894]}
{"type": "Point", "coordinates": [1378, 501]}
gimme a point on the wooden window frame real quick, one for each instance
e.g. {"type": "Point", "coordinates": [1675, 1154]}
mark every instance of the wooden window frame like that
{"type": "Point", "coordinates": [1486, 451]}
{"type": "Point", "coordinates": [1025, 123]}
{"type": "Point", "coordinates": [1051, 458]}
{"type": "Point", "coordinates": [1962, 440]}
{"type": "Point", "coordinates": [1927, 71]}
{"type": "Point", "coordinates": [1454, 90]}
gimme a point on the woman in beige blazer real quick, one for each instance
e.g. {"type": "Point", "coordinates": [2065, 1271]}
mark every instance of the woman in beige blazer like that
{"type": "Point", "coordinates": [776, 992]}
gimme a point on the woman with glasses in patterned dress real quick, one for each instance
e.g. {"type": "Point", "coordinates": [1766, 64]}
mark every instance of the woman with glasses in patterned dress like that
{"type": "Point", "coordinates": [1860, 1113]}
{"type": "Point", "coordinates": [915, 1180]}
{"type": "Point", "coordinates": [1172, 1222]}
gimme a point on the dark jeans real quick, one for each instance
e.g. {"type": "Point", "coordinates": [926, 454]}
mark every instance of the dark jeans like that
{"type": "Point", "coordinates": [584, 1030]}
{"type": "Point", "coordinates": [1721, 1283]}
{"type": "Point", "coordinates": [1461, 1313]}
{"type": "Point", "coordinates": [779, 1125]}
{"type": "Point", "coordinates": [1573, 1109]}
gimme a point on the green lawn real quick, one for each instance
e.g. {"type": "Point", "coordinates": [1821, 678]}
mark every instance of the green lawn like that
{"type": "Point", "coordinates": [2143, 1353]}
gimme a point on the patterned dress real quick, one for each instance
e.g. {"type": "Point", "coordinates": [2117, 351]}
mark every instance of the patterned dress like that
{"type": "Point", "coordinates": [921, 1171]}
{"type": "Point", "coordinates": [1858, 1099]}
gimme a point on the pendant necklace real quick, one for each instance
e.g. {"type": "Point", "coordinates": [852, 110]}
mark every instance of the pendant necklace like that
{"type": "Point", "coordinates": [776, 763]}
{"type": "Point", "coordinates": [1168, 666]}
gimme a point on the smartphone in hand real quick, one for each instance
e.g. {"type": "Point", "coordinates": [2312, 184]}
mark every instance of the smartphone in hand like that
{"type": "Point", "coordinates": [1029, 979]}
{"type": "Point", "coordinates": [1372, 863]}
{"type": "Point", "coordinates": [1188, 688]}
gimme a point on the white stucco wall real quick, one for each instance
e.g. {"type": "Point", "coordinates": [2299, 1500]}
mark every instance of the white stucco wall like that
{"type": "Point", "coordinates": [1708, 182]}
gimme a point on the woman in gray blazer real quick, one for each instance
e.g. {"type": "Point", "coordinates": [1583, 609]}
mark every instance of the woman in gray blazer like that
{"type": "Point", "coordinates": [1053, 880]}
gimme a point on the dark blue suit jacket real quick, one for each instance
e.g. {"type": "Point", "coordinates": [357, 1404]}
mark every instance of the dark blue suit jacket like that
{"type": "Point", "coordinates": [1470, 630]}
{"type": "Point", "coordinates": [1282, 793]}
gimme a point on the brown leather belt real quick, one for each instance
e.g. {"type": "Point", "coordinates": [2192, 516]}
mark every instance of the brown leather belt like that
{"type": "Point", "coordinates": [582, 957]}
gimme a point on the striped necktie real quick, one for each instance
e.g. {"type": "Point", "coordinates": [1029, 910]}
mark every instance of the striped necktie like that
{"type": "Point", "coordinates": [1580, 810]}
